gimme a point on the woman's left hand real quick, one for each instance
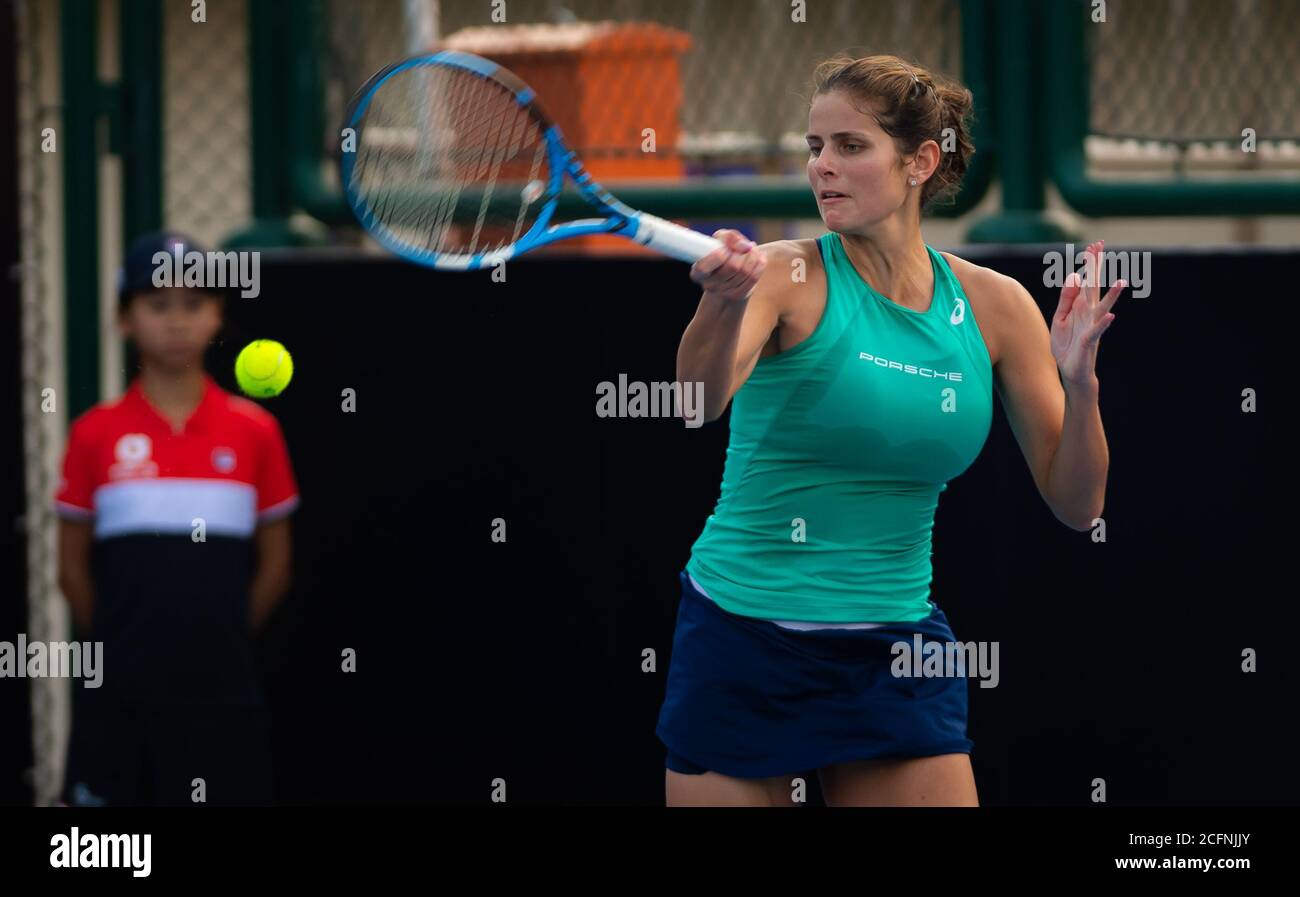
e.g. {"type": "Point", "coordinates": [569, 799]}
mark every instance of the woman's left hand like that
{"type": "Point", "coordinates": [1082, 316]}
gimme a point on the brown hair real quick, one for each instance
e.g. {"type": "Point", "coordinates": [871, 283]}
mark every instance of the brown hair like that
{"type": "Point", "coordinates": [911, 105]}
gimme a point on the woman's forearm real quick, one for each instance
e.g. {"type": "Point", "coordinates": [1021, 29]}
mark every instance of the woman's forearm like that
{"type": "Point", "coordinates": [707, 354]}
{"type": "Point", "coordinates": [1076, 483]}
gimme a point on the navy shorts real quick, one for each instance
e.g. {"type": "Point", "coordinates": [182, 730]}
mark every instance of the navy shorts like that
{"type": "Point", "coordinates": [750, 699]}
{"type": "Point", "coordinates": [150, 756]}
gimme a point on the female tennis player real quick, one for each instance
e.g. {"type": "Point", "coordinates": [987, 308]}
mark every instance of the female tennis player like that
{"type": "Point", "coordinates": [862, 367]}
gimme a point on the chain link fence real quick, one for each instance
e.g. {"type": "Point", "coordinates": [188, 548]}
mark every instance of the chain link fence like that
{"type": "Point", "coordinates": [1173, 83]}
{"type": "Point", "coordinates": [1195, 70]}
{"type": "Point", "coordinates": [206, 127]}
{"type": "Point", "coordinates": [1167, 77]}
{"type": "Point", "coordinates": [745, 78]}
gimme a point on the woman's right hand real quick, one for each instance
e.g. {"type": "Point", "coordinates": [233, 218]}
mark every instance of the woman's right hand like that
{"type": "Point", "coordinates": [732, 271]}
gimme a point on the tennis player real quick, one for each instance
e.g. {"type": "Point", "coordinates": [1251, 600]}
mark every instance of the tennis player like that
{"type": "Point", "coordinates": [174, 546]}
{"type": "Point", "coordinates": [862, 366]}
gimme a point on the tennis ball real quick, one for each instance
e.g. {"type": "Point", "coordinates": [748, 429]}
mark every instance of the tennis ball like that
{"type": "Point", "coordinates": [263, 368]}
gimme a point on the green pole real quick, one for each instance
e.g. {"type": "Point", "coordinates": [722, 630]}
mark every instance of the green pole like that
{"type": "Point", "coordinates": [1018, 60]}
{"type": "Point", "coordinates": [78, 145]}
{"type": "Point", "coordinates": [271, 30]}
{"type": "Point", "coordinates": [141, 111]}
{"type": "Point", "coordinates": [307, 118]}
{"type": "Point", "coordinates": [975, 65]}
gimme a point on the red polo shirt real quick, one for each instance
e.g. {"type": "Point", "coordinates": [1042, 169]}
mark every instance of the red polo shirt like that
{"type": "Point", "coordinates": [128, 467]}
{"type": "Point", "coordinates": [174, 512]}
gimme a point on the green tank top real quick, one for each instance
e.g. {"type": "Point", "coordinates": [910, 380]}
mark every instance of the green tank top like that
{"type": "Point", "coordinates": [839, 449]}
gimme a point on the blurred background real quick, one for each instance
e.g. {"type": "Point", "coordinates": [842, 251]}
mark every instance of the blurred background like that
{"type": "Point", "coordinates": [1171, 126]}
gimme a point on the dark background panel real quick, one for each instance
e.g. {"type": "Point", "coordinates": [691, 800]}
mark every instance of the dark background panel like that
{"type": "Point", "coordinates": [522, 660]}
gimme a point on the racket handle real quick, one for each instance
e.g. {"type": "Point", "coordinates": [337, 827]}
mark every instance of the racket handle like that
{"type": "Point", "coordinates": [673, 239]}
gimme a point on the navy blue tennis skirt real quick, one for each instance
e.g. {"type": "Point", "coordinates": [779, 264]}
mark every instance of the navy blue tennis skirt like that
{"type": "Point", "coordinates": [751, 699]}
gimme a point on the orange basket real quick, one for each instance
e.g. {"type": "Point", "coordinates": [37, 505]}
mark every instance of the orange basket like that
{"type": "Point", "coordinates": [604, 84]}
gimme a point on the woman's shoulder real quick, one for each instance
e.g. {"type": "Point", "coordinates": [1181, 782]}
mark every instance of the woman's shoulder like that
{"type": "Point", "coordinates": [791, 250]}
{"type": "Point", "coordinates": [996, 299]}
{"type": "Point", "coordinates": [977, 277]}
{"type": "Point", "coordinates": [791, 264]}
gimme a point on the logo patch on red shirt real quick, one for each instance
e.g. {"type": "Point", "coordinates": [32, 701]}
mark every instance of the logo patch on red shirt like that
{"type": "Point", "coordinates": [223, 459]}
{"type": "Point", "coordinates": [133, 458]}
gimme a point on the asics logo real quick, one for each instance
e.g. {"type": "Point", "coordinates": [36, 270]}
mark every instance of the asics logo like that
{"type": "Point", "coordinates": [958, 310]}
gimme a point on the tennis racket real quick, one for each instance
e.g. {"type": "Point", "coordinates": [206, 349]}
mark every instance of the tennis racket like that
{"type": "Point", "coordinates": [454, 165]}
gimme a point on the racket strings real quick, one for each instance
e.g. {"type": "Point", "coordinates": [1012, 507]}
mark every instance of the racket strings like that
{"type": "Point", "coordinates": [449, 162]}
{"type": "Point", "coordinates": [492, 163]}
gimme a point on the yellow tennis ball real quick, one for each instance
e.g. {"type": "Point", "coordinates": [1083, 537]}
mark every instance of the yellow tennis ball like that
{"type": "Point", "coordinates": [263, 368]}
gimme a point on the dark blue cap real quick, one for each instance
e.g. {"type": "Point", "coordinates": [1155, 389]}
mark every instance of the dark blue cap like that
{"type": "Point", "coordinates": [136, 273]}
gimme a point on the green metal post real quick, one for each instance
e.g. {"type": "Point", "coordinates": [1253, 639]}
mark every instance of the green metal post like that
{"type": "Point", "coordinates": [975, 63]}
{"type": "Point", "coordinates": [307, 119]}
{"type": "Point", "coordinates": [271, 28]}
{"type": "Point", "coordinates": [1019, 58]}
{"type": "Point", "coordinates": [141, 122]}
{"type": "Point", "coordinates": [78, 145]}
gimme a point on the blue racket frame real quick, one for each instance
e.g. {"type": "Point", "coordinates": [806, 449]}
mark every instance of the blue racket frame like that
{"type": "Point", "coordinates": [620, 218]}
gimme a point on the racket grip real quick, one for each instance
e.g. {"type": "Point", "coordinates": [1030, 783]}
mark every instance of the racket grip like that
{"type": "Point", "coordinates": [673, 239]}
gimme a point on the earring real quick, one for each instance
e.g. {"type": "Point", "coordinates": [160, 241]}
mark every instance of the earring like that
{"type": "Point", "coordinates": [912, 182]}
